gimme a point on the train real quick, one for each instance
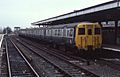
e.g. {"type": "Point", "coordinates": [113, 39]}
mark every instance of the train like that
{"type": "Point", "coordinates": [85, 36]}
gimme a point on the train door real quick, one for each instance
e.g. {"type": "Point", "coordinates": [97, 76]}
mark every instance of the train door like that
{"type": "Point", "coordinates": [79, 38]}
{"type": "Point", "coordinates": [89, 33]}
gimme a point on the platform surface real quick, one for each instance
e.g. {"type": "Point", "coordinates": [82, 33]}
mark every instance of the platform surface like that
{"type": "Point", "coordinates": [1, 39]}
{"type": "Point", "coordinates": [1, 52]}
{"type": "Point", "coordinates": [112, 47]}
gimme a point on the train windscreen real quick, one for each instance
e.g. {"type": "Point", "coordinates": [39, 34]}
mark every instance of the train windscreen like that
{"type": "Point", "coordinates": [89, 31]}
{"type": "Point", "coordinates": [81, 31]}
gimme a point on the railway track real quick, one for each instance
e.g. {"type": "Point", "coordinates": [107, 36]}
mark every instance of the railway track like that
{"type": "Point", "coordinates": [110, 58]}
{"type": "Point", "coordinates": [18, 66]}
{"type": "Point", "coordinates": [97, 67]}
{"type": "Point", "coordinates": [113, 63]}
{"type": "Point", "coordinates": [4, 72]}
{"type": "Point", "coordinates": [45, 67]}
{"type": "Point", "coordinates": [68, 66]}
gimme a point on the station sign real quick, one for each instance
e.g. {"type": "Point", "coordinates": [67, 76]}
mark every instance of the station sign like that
{"type": "Point", "coordinates": [108, 24]}
{"type": "Point", "coordinates": [119, 23]}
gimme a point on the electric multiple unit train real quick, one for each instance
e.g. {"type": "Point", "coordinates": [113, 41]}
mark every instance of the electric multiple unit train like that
{"type": "Point", "coordinates": [83, 36]}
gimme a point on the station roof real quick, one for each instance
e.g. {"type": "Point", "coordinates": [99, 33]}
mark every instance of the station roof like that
{"type": "Point", "coordinates": [106, 9]}
{"type": "Point", "coordinates": [16, 27]}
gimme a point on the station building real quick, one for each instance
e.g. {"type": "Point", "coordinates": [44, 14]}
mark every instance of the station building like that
{"type": "Point", "coordinates": [107, 14]}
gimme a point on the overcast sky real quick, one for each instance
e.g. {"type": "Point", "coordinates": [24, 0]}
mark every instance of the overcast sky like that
{"type": "Point", "coordinates": [23, 12]}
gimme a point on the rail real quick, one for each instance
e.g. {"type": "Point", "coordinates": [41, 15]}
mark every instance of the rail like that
{"type": "Point", "coordinates": [73, 67]}
{"type": "Point", "coordinates": [30, 69]}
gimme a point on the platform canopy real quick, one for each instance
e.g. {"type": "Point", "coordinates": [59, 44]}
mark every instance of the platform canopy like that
{"type": "Point", "coordinates": [103, 12]}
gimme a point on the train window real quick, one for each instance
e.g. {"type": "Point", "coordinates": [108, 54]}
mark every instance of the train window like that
{"type": "Point", "coordinates": [58, 32]}
{"type": "Point", "coordinates": [68, 32]}
{"type": "Point", "coordinates": [89, 31]}
{"type": "Point", "coordinates": [97, 30]}
{"type": "Point", "coordinates": [37, 32]}
{"type": "Point", "coordinates": [48, 32]}
{"type": "Point", "coordinates": [55, 32]}
{"type": "Point", "coordinates": [71, 32]}
{"type": "Point", "coordinates": [41, 32]}
{"type": "Point", "coordinates": [81, 31]}
{"type": "Point", "coordinates": [64, 32]}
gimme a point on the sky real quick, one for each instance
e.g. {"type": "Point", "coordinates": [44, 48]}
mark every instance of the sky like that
{"type": "Point", "coordinates": [21, 13]}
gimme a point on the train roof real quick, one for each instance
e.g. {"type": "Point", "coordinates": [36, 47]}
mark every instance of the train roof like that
{"type": "Point", "coordinates": [64, 25]}
{"type": "Point", "coordinates": [70, 25]}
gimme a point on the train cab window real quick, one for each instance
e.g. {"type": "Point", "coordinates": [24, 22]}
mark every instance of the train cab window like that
{"type": "Point", "coordinates": [97, 30]}
{"type": "Point", "coordinates": [81, 31]}
{"type": "Point", "coordinates": [89, 31]}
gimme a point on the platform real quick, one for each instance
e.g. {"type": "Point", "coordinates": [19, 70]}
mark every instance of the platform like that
{"type": "Point", "coordinates": [112, 47]}
{"type": "Point", "coordinates": [1, 39]}
{"type": "Point", "coordinates": [1, 52]}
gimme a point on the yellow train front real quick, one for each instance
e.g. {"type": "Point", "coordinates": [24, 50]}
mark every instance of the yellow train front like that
{"type": "Point", "coordinates": [88, 36]}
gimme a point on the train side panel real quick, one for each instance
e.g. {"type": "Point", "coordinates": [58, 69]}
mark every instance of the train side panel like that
{"type": "Point", "coordinates": [97, 37]}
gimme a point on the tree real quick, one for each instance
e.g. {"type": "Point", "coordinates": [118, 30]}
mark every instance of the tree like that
{"type": "Point", "coordinates": [7, 30]}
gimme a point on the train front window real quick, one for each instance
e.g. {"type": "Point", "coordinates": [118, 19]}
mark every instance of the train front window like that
{"type": "Point", "coordinates": [97, 30]}
{"type": "Point", "coordinates": [89, 31]}
{"type": "Point", "coordinates": [81, 31]}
